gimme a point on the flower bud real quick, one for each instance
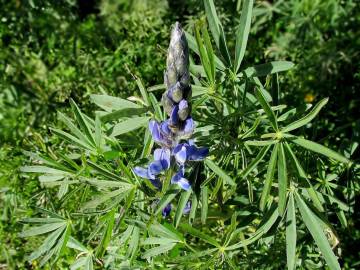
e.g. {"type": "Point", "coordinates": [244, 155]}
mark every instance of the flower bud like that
{"type": "Point", "coordinates": [176, 93]}
{"type": "Point", "coordinates": [184, 110]}
{"type": "Point", "coordinates": [167, 103]}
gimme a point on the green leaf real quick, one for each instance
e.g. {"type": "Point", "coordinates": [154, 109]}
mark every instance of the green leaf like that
{"type": "Point", "coordinates": [302, 175]}
{"type": "Point", "coordinates": [265, 105]}
{"type": "Point", "coordinates": [210, 52]}
{"type": "Point", "coordinates": [219, 172]}
{"type": "Point", "coordinates": [269, 177]}
{"type": "Point", "coordinates": [260, 143]}
{"type": "Point", "coordinates": [48, 243]}
{"type": "Point", "coordinates": [134, 242]}
{"type": "Point", "coordinates": [194, 204]}
{"type": "Point", "coordinates": [105, 239]}
{"type": "Point", "coordinates": [194, 232]}
{"type": "Point", "coordinates": [43, 169]}
{"type": "Point", "coordinates": [282, 178]}
{"type": "Point", "coordinates": [127, 112]}
{"type": "Point", "coordinates": [192, 45]}
{"type": "Point", "coordinates": [255, 162]}
{"type": "Point", "coordinates": [204, 204]}
{"type": "Point", "coordinates": [75, 244]}
{"type": "Point", "coordinates": [129, 125]}
{"type": "Point", "coordinates": [74, 130]}
{"type": "Point", "coordinates": [266, 224]}
{"type": "Point", "coordinates": [166, 231]}
{"type": "Point", "coordinates": [120, 193]}
{"type": "Point", "coordinates": [291, 233]}
{"type": "Point", "coordinates": [158, 241]}
{"type": "Point", "coordinates": [98, 132]}
{"type": "Point", "coordinates": [158, 250]}
{"type": "Point", "coordinates": [143, 91]}
{"type": "Point", "coordinates": [167, 198]}
{"type": "Point", "coordinates": [181, 206]}
{"type": "Point", "coordinates": [104, 172]}
{"type": "Point", "coordinates": [109, 103]}
{"type": "Point", "coordinates": [243, 33]}
{"type": "Point", "coordinates": [203, 55]}
{"type": "Point", "coordinates": [72, 139]}
{"type": "Point", "coordinates": [317, 233]}
{"type": "Point", "coordinates": [268, 68]}
{"type": "Point", "coordinates": [198, 90]}
{"type": "Point", "coordinates": [43, 229]}
{"type": "Point", "coordinates": [217, 30]}
{"type": "Point", "coordinates": [307, 118]}
{"type": "Point", "coordinates": [84, 126]}
{"type": "Point", "coordinates": [318, 148]}
{"type": "Point", "coordinates": [79, 262]}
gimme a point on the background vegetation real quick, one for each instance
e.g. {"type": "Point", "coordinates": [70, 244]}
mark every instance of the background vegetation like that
{"type": "Point", "coordinates": [52, 51]}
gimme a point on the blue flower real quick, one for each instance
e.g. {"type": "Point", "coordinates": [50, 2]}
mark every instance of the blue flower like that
{"type": "Point", "coordinates": [166, 211]}
{"type": "Point", "coordinates": [180, 180]}
{"type": "Point", "coordinates": [161, 163]}
{"type": "Point", "coordinates": [189, 152]}
{"type": "Point", "coordinates": [161, 133]}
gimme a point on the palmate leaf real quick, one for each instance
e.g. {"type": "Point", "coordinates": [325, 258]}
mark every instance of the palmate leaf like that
{"type": "Point", "coordinates": [56, 241]}
{"type": "Point", "coordinates": [317, 233]}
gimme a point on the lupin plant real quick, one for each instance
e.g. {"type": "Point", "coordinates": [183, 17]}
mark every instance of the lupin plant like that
{"type": "Point", "coordinates": [251, 187]}
{"type": "Point", "coordinates": [180, 125]}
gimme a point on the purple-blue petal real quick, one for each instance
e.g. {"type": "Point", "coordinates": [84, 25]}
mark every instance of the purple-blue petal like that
{"type": "Point", "coordinates": [165, 130]}
{"type": "Point", "coordinates": [184, 183]}
{"type": "Point", "coordinates": [155, 131]}
{"type": "Point", "coordinates": [142, 172]}
{"type": "Point", "coordinates": [183, 105]}
{"type": "Point", "coordinates": [188, 127]}
{"type": "Point", "coordinates": [181, 155]}
{"type": "Point", "coordinates": [197, 154]}
{"type": "Point", "coordinates": [166, 211]}
{"type": "Point", "coordinates": [155, 167]}
{"type": "Point", "coordinates": [156, 183]}
{"type": "Point", "coordinates": [174, 117]}
{"type": "Point", "coordinates": [163, 155]}
{"type": "Point", "coordinates": [187, 208]}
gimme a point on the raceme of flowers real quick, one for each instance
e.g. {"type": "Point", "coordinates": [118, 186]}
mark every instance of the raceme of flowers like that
{"type": "Point", "coordinates": [173, 135]}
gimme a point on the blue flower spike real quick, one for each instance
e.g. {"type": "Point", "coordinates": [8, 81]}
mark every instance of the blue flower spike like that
{"type": "Point", "coordinates": [173, 135]}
